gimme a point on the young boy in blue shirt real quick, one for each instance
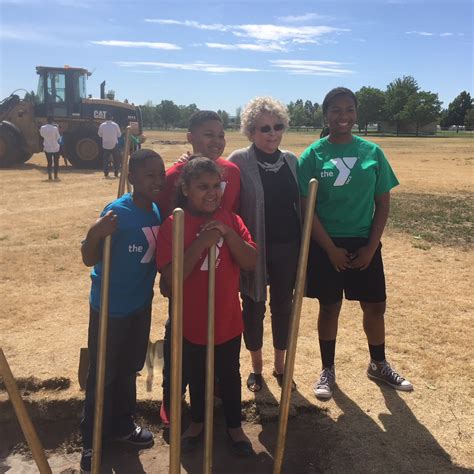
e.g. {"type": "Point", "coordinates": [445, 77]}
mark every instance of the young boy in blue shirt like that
{"type": "Point", "coordinates": [133, 222]}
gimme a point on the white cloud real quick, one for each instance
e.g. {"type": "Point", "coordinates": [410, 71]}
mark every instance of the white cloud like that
{"type": "Point", "coordinates": [304, 41]}
{"type": "Point", "coordinates": [193, 24]}
{"type": "Point", "coordinates": [419, 33]}
{"type": "Point", "coordinates": [425, 33]}
{"type": "Point", "coordinates": [264, 47]}
{"type": "Point", "coordinates": [268, 32]}
{"type": "Point", "coordinates": [316, 68]}
{"type": "Point", "coordinates": [301, 18]}
{"type": "Point", "coordinates": [137, 44]}
{"type": "Point", "coordinates": [197, 66]}
{"type": "Point", "coordinates": [147, 71]}
{"type": "Point", "coordinates": [291, 66]}
{"type": "Point", "coordinates": [284, 33]}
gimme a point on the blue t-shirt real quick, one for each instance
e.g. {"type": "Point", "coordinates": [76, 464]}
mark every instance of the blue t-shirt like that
{"type": "Point", "coordinates": [132, 263]}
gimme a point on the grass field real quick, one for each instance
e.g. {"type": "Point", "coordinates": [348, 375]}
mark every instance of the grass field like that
{"type": "Point", "coordinates": [429, 268]}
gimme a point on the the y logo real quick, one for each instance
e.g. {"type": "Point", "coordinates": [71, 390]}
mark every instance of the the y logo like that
{"type": "Point", "coordinates": [150, 234]}
{"type": "Point", "coordinates": [205, 264]}
{"type": "Point", "coordinates": [344, 166]}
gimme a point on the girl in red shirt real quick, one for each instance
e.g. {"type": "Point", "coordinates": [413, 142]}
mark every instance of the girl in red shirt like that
{"type": "Point", "coordinates": [199, 194]}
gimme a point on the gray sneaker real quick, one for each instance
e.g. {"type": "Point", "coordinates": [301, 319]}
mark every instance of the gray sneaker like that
{"type": "Point", "coordinates": [325, 385]}
{"type": "Point", "coordinates": [384, 373]}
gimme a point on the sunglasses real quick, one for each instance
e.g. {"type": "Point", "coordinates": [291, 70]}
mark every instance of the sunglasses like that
{"type": "Point", "coordinates": [267, 128]}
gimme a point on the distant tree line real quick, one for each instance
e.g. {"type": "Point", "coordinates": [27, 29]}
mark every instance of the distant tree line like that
{"type": "Point", "coordinates": [401, 103]}
{"type": "Point", "coordinates": [167, 114]}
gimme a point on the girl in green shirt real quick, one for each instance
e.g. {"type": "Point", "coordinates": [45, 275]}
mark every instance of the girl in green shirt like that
{"type": "Point", "coordinates": [345, 258]}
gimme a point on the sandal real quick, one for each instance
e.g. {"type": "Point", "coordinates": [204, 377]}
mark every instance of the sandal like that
{"type": "Point", "coordinates": [279, 378]}
{"type": "Point", "coordinates": [254, 382]}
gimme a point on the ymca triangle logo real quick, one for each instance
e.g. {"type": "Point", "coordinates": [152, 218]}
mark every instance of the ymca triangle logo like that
{"type": "Point", "coordinates": [205, 264]}
{"type": "Point", "coordinates": [344, 166]}
{"type": "Point", "coordinates": [151, 234]}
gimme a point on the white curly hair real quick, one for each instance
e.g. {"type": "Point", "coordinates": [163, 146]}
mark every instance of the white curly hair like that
{"type": "Point", "coordinates": [259, 106]}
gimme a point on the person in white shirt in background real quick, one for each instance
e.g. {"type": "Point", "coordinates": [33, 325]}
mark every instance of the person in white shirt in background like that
{"type": "Point", "coordinates": [51, 137]}
{"type": "Point", "coordinates": [110, 132]}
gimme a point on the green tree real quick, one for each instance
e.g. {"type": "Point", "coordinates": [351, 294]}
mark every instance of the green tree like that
{"type": "Point", "coordinates": [31, 97]}
{"type": "Point", "coordinates": [157, 119]}
{"type": "Point", "coordinates": [297, 113]}
{"type": "Point", "coordinates": [169, 112]}
{"type": "Point", "coordinates": [224, 117]}
{"type": "Point", "coordinates": [238, 111]}
{"type": "Point", "coordinates": [396, 97]}
{"type": "Point", "coordinates": [458, 108]}
{"type": "Point", "coordinates": [469, 119]}
{"type": "Point", "coordinates": [309, 110]}
{"type": "Point", "coordinates": [147, 110]}
{"type": "Point", "coordinates": [185, 112]}
{"type": "Point", "coordinates": [318, 119]}
{"type": "Point", "coordinates": [443, 120]}
{"type": "Point", "coordinates": [422, 108]}
{"type": "Point", "coordinates": [370, 106]}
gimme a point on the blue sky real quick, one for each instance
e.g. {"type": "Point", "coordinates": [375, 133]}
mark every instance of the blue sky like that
{"type": "Point", "coordinates": [220, 54]}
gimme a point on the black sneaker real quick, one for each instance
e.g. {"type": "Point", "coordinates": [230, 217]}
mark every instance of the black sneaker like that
{"type": "Point", "coordinates": [86, 461]}
{"type": "Point", "coordinates": [140, 437]}
{"type": "Point", "coordinates": [382, 372]}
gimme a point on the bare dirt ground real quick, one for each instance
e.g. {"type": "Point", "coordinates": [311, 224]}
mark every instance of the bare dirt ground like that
{"type": "Point", "coordinates": [364, 428]}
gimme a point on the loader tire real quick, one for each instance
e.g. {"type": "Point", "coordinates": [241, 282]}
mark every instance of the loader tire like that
{"type": "Point", "coordinates": [83, 149]}
{"type": "Point", "coordinates": [11, 152]}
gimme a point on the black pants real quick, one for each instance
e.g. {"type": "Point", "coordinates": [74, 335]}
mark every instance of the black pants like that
{"type": "Point", "coordinates": [167, 365]}
{"type": "Point", "coordinates": [227, 371]}
{"type": "Point", "coordinates": [282, 263]}
{"type": "Point", "coordinates": [50, 157]}
{"type": "Point", "coordinates": [115, 158]}
{"type": "Point", "coordinates": [127, 341]}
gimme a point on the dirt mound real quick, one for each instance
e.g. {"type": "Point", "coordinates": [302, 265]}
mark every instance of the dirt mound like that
{"type": "Point", "coordinates": [169, 142]}
{"type": "Point", "coordinates": [33, 384]}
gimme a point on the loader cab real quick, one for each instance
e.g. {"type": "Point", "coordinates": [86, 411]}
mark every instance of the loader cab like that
{"type": "Point", "coordinates": [60, 91]}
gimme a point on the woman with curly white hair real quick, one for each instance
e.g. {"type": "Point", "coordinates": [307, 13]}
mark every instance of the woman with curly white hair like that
{"type": "Point", "coordinates": [270, 208]}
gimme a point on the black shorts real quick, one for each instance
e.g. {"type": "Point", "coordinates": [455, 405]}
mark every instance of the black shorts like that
{"type": "Point", "coordinates": [328, 285]}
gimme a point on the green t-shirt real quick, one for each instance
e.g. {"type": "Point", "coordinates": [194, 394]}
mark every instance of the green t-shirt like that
{"type": "Point", "coordinates": [349, 176]}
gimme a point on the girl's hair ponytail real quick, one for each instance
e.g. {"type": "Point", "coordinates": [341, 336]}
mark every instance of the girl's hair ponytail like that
{"type": "Point", "coordinates": [324, 132]}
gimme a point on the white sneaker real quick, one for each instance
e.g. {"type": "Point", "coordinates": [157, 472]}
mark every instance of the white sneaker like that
{"type": "Point", "coordinates": [384, 373]}
{"type": "Point", "coordinates": [325, 385]}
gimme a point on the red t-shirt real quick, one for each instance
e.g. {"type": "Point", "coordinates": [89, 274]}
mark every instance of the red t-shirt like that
{"type": "Point", "coordinates": [228, 313]}
{"type": "Point", "coordinates": [230, 185]}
